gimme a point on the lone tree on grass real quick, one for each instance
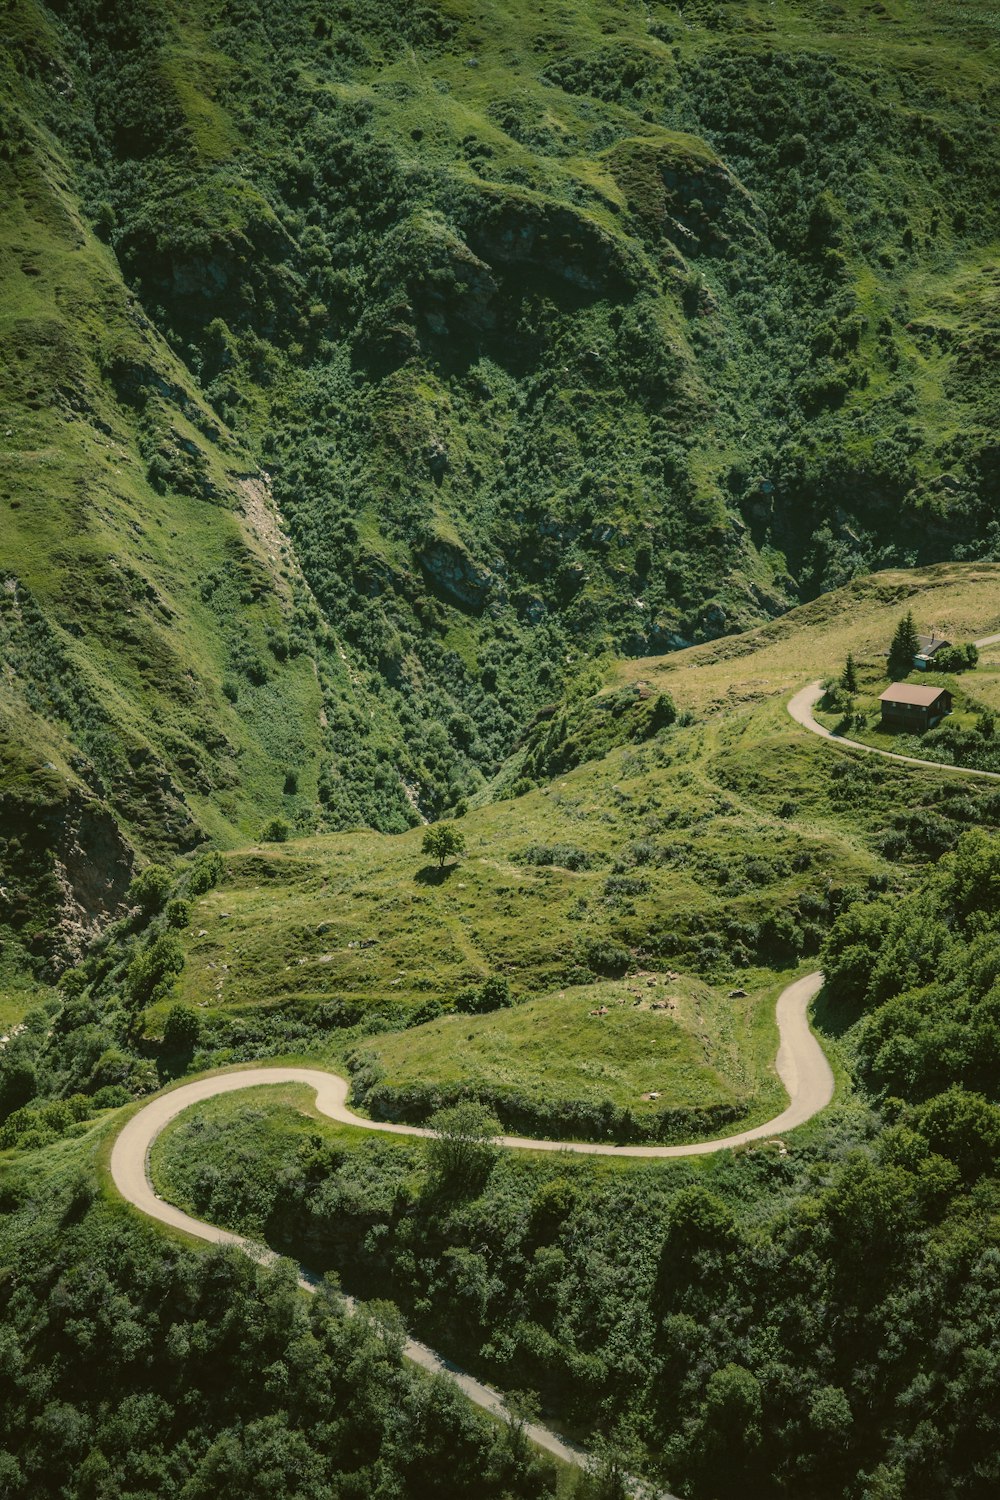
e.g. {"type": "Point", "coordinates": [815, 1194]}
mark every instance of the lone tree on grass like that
{"type": "Point", "coordinates": [442, 841]}
{"type": "Point", "coordinates": [849, 676]}
{"type": "Point", "coordinates": [905, 645]}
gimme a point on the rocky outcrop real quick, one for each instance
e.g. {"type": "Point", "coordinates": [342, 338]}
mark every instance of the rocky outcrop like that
{"type": "Point", "coordinates": [93, 867]}
{"type": "Point", "coordinates": [679, 193]}
{"type": "Point", "coordinates": [516, 231]}
{"type": "Point", "coordinates": [64, 868]}
{"type": "Point", "coordinates": [449, 286]}
{"type": "Point", "coordinates": [450, 569]}
{"type": "Point", "coordinates": [216, 250]}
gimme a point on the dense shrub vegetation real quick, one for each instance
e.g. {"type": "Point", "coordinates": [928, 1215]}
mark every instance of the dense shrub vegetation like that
{"type": "Point", "coordinates": [620, 335]}
{"type": "Point", "coordinates": [135, 1367]}
{"type": "Point", "coordinates": [820, 1319]}
{"type": "Point", "coordinates": [372, 377]}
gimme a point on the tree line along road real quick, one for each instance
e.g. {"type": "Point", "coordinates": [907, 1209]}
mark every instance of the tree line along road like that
{"type": "Point", "coordinates": [801, 1066]}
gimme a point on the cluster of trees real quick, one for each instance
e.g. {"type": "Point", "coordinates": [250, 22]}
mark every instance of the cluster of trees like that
{"type": "Point", "coordinates": [953, 744]}
{"type": "Point", "coordinates": [921, 970]}
{"type": "Point", "coordinates": [905, 646]}
{"type": "Point", "coordinates": [84, 1048]}
{"type": "Point", "coordinates": [130, 1366]}
{"type": "Point", "coordinates": [818, 1320]}
{"type": "Point", "coordinates": [815, 1320]}
{"type": "Point", "coordinates": [766, 1324]}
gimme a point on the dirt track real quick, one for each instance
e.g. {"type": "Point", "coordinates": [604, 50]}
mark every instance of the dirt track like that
{"type": "Point", "coordinates": [801, 709]}
{"type": "Point", "coordinates": [801, 1065]}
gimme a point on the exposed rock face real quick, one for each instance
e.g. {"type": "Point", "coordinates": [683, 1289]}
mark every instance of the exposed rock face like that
{"type": "Point", "coordinates": [510, 231]}
{"type": "Point", "coordinates": [656, 639]}
{"type": "Point", "coordinates": [451, 569]}
{"type": "Point", "coordinates": [93, 866]}
{"type": "Point", "coordinates": [65, 869]}
{"type": "Point", "coordinates": [460, 290]}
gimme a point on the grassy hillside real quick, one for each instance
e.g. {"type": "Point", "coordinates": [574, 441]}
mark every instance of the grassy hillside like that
{"type": "Point", "coordinates": [495, 412]}
{"type": "Point", "coordinates": [708, 856]}
{"type": "Point", "coordinates": [823, 1312]}
{"type": "Point", "coordinates": [154, 691]}
{"type": "Point", "coordinates": [680, 1057]}
{"type": "Point", "coordinates": [718, 849]}
{"type": "Point", "coordinates": [621, 333]}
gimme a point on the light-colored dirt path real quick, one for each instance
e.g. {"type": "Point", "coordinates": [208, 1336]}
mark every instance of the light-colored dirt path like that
{"type": "Point", "coordinates": [130, 1173]}
{"type": "Point", "coordinates": [801, 1066]}
{"type": "Point", "coordinates": [801, 709]}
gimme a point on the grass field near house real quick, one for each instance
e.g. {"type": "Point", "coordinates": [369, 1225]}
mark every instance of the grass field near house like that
{"type": "Point", "coordinates": [716, 849]}
{"type": "Point", "coordinates": [961, 600]}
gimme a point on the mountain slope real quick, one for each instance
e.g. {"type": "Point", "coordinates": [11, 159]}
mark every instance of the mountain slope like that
{"type": "Point", "coordinates": [615, 334]}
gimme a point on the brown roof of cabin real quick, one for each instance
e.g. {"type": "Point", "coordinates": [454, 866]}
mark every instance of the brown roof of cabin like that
{"type": "Point", "coordinates": [916, 697]}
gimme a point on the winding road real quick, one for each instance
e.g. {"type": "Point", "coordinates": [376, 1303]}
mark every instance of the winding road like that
{"type": "Point", "coordinates": [801, 1065]}
{"type": "Point", "coordinates": [805, 700]}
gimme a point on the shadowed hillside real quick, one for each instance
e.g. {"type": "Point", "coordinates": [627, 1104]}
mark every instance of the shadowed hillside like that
{"type": "Point", "coordinates": [365, 371]}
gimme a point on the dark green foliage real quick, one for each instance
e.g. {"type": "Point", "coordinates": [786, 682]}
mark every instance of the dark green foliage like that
{"type": "Point", "coordinates": [961, 658]}
{"type": "Point", "coordinates": [589, 727]}
{"type": "Point", "coordinates": [849, 676]}
{"type": "Point", "coordinates": [923, 969]}
{"type": "Point", "coordinates": [957, 745]}
{"type": "Point", "coordinates": [135, 1367]}
{"type": "Point", "coordinates": [462, 1153]}
{"type": "Point", "coordinates": [788, 1308]}
{"type": "Point", "coordinates": [566, 855]}
{"type": "Point", "coordinates": [615, 331]}
{"type": "Point", "coordinates": [605, 956]}
{"type": "Point", "coordinates": [443, 841]}
{"type": "Point", "coordinates": [492, 994]}
{"type": "Point", "coordinates": [275, 831]}
{"type": "Point", "coordinates": [904, 647]}
{"type": "Point", "coordinates": [149, 890]}
{"type": "Point", "coordinates": [181, 1032]}
{"type": "Point", "coordinates": [206, 871]}
{"type": "Point", "coordinates": [177, 913]}
{"type": "Point", "coordinates": [152, 970]}
{"type": "Point", "coordinates": [619, 336]}
{"type": "Point", "coordinates": [18, 1084]}
{"type": "Point", "coordinates": [533, 1114]}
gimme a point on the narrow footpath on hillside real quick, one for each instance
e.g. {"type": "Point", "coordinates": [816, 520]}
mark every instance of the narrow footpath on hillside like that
{"type": "Point", "coordinates": [801, 1066]}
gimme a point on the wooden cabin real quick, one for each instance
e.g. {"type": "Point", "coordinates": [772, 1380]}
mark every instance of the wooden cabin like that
{"type": "Point", "coordinates": [914, 708]}
{"type": "Point", "coordinates": [928, 648]}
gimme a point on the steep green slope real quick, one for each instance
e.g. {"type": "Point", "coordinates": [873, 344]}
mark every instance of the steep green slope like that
{"type": "Point", "coordinates": [616, 333]}
{"type": "Point", "coordinates": [622, 332]}
{"type": "Point", "coordinates": [694, 865]}
{"type": "Point", "coordinates": [158, 686]}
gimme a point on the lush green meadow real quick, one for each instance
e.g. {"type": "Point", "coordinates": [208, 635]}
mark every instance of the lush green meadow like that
{"type": "Point", "coordinates": [494, 414]}
{"type": "Point", "coordinates": [817, 1306]}
{"type": "Point", "coordinates": [703, 1048]}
